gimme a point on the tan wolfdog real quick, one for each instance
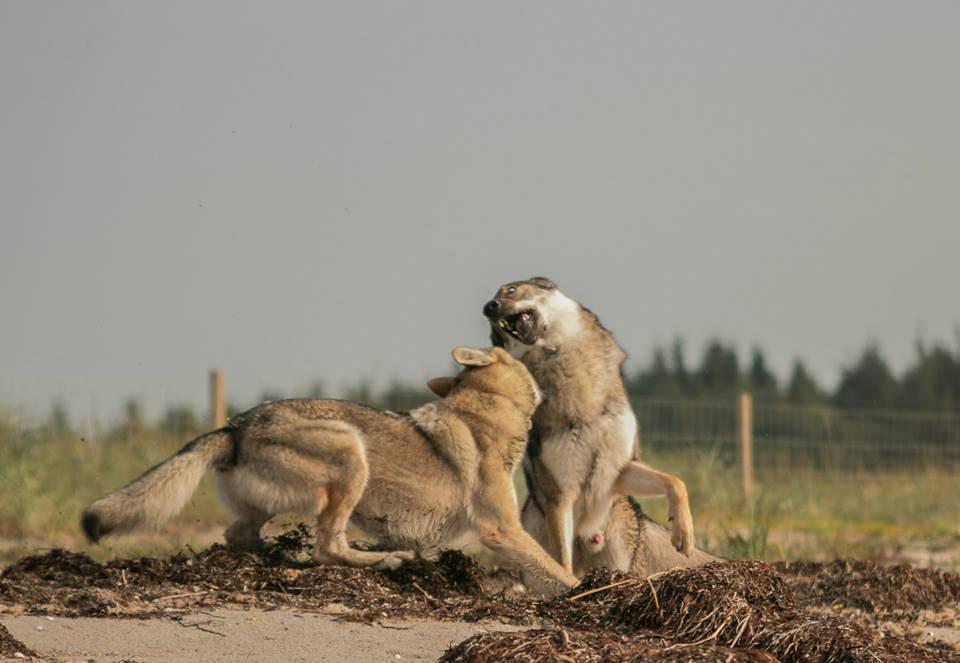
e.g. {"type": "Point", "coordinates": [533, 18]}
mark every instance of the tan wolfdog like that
{"type": "Point", "coordinates": [582, 458]}
{"type": "Point", "coordinates": [435, 477]}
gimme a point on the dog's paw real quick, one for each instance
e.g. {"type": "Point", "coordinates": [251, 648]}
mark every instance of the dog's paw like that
{"type": "Point", "coordinates": [681, 535]}
{"type": "Point", "coordinates": [395, 560]}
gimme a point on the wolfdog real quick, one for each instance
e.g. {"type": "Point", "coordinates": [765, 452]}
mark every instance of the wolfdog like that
{"type": "Point", "coordinates": [582, 461]}
{"type": "Point", "coordinates": [435, 477]}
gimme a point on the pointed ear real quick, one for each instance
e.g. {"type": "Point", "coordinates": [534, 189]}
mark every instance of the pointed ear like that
{"type": "Point", "coordinates": [473, 357]}
{"type": "Point", "coordinates": [440, 386]}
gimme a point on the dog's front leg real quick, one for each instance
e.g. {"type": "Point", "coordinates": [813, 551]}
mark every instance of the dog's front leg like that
{"type": "Point", "coordinates": [558, 521]}
{"type": "Point", "coordinates": [639, 479]}
{"type": "Point", "coordinates": [518, 548]}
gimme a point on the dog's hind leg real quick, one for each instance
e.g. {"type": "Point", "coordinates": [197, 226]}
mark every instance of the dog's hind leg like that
{"type": "Point", "coordinates": [639, 479]}
{"type": "Point", "coordinates": [244, 533]}
{"type": "Point", "coordinates": [332, 546]}
{"type": "Point", "coordinates": [335, 503]}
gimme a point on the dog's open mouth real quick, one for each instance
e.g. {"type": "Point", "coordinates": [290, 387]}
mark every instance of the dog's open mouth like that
{"type": "Point", "coordinates": [521, 326]}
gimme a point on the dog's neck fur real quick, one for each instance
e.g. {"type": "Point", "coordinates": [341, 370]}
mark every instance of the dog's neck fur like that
{"type": "Point", "coordinates": [493, 420]}
{"type": "Point", "coordinates": [578, 370]}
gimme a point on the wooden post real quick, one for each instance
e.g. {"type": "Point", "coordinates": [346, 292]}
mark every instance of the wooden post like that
{"type": "Point", "coordinates": [746, 442]}
{"type": "Point", "coordinates": [218, 412]}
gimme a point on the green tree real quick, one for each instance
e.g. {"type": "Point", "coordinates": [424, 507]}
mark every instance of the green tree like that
{"type": "Point", "coordinates": [402, 397]}
{"type": "Point", "coordinates": [682, 376]}
{"type": "Point", "coordinates": [719, 373]}
{"type": "Point", "coordinates": [762, 383]}
{"type": "Point", "coordinates": [180, 420]}
{"type": "Point", "coordinates": [868, 383]}
{"type": "Point", "coordinates": [360, 393]}
{"type": "Point", "coordinates": [802, 389]}
{"type": "Point", "coordinates": [657, 381]}
{"type": "Point", "coordinates": [933, 382]}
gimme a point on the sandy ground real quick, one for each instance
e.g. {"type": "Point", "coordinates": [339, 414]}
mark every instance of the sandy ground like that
{"type": "Point", "coordinates": [234, 635]}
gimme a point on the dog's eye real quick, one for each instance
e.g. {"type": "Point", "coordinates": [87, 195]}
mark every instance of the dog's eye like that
{"type": "Point", "coordinates": [512, 289]}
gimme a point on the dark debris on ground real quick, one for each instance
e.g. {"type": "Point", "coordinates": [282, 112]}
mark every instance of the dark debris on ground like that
{"type": "Point", "coordinates": [870, 586]}
{"type": "Point", "coordinates": [724, 611]}
{"type": "Point", "coordinates": [593, 646]}
{"type": "Point", "coordinates": [10, 647]}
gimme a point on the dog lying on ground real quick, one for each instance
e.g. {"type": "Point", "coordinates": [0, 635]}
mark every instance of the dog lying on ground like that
{"type": "Point", "coordinates": [421, 481]}
{"type": "Point", "coordinates": [582, 461]}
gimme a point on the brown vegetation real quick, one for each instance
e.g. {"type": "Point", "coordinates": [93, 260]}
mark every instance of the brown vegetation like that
{"type": "Point", "coordinates": [730, 611]}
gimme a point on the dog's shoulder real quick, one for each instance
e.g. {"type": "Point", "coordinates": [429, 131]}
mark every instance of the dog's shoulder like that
{"type": "Point", "coordinates": [446, 434]}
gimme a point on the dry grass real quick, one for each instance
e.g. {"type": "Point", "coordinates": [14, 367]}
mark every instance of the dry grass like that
{"type": "Point", "coordinates": [890, 516]}
{"type": "Point", "coordinates": [893, 516]}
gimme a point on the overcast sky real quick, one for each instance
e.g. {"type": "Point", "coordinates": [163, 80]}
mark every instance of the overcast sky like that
{"type": "Point", "coordinates": [310, 191]}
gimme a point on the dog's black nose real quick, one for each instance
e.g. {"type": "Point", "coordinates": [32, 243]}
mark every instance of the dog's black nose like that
{"type": "Point", "coordinates": [491, 308]}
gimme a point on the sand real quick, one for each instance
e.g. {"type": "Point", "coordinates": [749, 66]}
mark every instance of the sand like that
{"type": "Point", "coordinates": [233, 635]}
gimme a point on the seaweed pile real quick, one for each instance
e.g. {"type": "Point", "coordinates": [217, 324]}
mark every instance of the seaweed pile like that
{"type": "Point", "coordinates": [723, 611]}
{"type": "Point", "coordinates": [870, 586]}
{"type": "Point", "coordinates": [70, 584]}
{"type": "Point", "coordinates": [744, 606]}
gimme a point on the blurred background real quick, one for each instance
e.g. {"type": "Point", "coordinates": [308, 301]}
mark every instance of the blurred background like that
{"type": "Point", "coordinates": [317, 198]}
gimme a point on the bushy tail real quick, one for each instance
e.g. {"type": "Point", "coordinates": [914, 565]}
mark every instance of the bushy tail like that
{"type": "Point", "coordinates": [161, 492]}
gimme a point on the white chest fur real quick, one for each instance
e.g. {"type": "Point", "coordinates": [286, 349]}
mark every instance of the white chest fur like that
{"type": "Point", "coordinates": [628, 423]}
{"type": "Point", "coordinates": [590, 460]}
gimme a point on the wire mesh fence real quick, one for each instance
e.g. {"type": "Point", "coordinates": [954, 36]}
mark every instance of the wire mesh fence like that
{"type": "Point", "coordinates": [803, 438]}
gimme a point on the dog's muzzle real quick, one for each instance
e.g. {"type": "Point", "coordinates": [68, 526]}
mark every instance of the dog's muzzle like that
{"type": "Point", "coordinates": [524, 326]}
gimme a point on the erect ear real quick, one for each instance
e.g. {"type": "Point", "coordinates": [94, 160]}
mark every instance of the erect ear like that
{"type": "Point", "coordinates": [473, 357]}
{"type": "Point", "coordinates": [440, 386]}
{"type": "Point", "coordinates": [543, 282]}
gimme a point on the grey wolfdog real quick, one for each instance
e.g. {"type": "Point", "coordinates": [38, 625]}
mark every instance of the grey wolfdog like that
{"type": "Point", "coordinates": [581, 462]}
{"type": "Point", "coordinates": [343, 462]}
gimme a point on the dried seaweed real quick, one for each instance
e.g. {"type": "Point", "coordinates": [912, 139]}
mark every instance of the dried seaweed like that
{"type": "Point", "coordinates": [733, 604]}
{"type": "Point", "coordinates": [870, 586]}
{"type": "Point", "coordinates": [729, 611]}
{"type": "Point", "coordinates": [71, 584]}
{"type": "Point", "coordinates": [10, 647]}
{"type": "Point", "coordinates": [590, 646]}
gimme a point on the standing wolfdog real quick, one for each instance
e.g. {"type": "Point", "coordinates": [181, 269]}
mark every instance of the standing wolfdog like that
{"type": "Point", "coordinates": [440, 475]}
{"type": "Point", "coordinates": [581, 460]}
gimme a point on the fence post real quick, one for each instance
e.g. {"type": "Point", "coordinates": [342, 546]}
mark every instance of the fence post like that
{"type": "Point", "coordinates": [746, 441]}
{"type": "Point", "coordinates": [218, 413]}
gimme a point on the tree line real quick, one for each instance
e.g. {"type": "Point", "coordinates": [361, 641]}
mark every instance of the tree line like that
{"type": "Point", "coordinates": [931, 382]}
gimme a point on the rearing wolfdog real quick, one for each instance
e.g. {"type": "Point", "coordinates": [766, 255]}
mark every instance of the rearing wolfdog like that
{"type": "Point", "coordinates": [581, 460]}
{"type": "Point", "coordinates": [423, 480]}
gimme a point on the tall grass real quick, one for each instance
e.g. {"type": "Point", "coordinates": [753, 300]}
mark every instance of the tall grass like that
{"type": "Point", "coordinates": [48, 477]}
{"type": "Point", "coordinates": [892, 515]}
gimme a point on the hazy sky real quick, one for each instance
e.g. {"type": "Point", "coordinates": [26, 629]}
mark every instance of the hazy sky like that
{"type": "Point", "coordinates": [330, 191]}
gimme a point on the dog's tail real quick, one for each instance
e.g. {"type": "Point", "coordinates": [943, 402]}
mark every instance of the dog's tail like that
{"type": "Point", "coordinates": [161, 492]}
